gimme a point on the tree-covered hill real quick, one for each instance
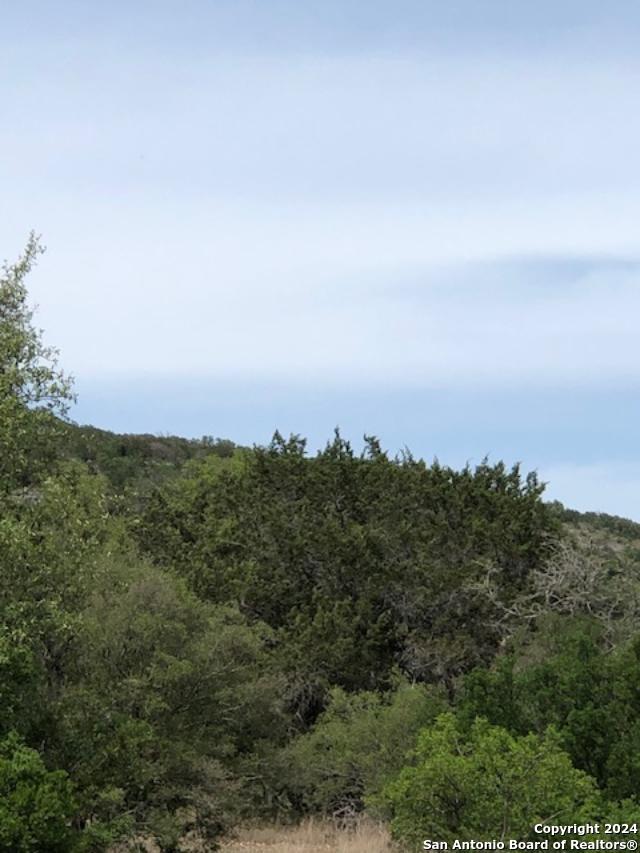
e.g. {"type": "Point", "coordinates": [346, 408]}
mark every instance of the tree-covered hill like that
{"type": "Point", "coordinates": [137, 461]}
{"type": "Point", "coordinates": [131, 459]}
{"type": "Point", "coordinates": [611, 525]}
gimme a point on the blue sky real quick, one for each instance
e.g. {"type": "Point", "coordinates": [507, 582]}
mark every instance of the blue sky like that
{"type": "Point", "coordinates": [413, 219]}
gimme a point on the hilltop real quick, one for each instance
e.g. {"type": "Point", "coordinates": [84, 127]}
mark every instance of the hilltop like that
{"type": "Point", "coordinates": [131, 460]}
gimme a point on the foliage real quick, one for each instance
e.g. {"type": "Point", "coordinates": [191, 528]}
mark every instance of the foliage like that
{"type": "Point", "coordinates": [32, 387]}
{"type": "Point", "coordinates": [359, 563]}
{"type": "Point", "coordinates": [487, 784]}
{"type": "Point", "coordinates": [356, 745]}
{"type": "Point", "coordinates": [581, 577]}
{"type": "Point", "coordinates": [21, 681]}
{"type": "Point", "coordinates": [52, 549]}
{"type": "Point", "coordinates": [36, 805]}
{"type": "Point", "coordinates": [138, 462]}
{"type": "Point", "coordinates": [163, 694]}
{"type": "Point", "coordinates": [588, 695]}
{"type": "Point", "coordinates": [623, 528]}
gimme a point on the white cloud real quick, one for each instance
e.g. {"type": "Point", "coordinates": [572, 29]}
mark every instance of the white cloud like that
{"type": "Point", "coordinates": [260, 216]}
{"type": "Point", "coordinates": [322, 293]}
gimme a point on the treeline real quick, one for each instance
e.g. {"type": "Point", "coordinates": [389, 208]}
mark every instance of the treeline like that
{"type": "Point", "coordinates": [137, 463]}
{"type": "Point", "coordinates": [622, 528]}
{"type": "Point", "coordinates": [195, 634]}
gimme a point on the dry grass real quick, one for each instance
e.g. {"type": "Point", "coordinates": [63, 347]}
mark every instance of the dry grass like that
{"type": "Point", "coordinates": [312, 837]}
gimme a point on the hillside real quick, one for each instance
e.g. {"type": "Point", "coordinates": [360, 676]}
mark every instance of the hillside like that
{"type": "Point", "coordinates": [137, 461]}
{"type": "Point", "coordinates": [265, 634]}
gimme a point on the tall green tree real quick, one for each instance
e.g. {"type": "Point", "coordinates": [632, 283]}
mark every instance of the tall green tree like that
{"type": "Point", "coordinates": [36, 805]}
{"type": "Point", "coordinates": [360, 563]}
{"type": "Point", "coordinates": [33, 389]}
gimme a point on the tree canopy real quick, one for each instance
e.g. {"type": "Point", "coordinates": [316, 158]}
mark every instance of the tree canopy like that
{"type": "Point", "coordinates": [33, 389]}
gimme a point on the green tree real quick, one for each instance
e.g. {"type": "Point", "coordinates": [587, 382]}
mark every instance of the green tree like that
{"type": "Point", "coordinates": [36, 805]}
{"type": "Point", "coordinates": [164, 699]}
{"type": "Point", "coordinates": [566, 678]}
{"type": "Point", "coordinates": [358, 562]}
{"type": "Point", "coordinates": [33, 390]}
{"type": "Point", "coordinates": [487, 784]}
{"type": "Point", "coordinates": [53, 549]}
{"type": "Point", "coordinates": [357, 745]}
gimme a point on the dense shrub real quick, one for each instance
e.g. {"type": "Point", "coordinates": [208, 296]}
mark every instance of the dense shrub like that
{"type": "Point", "coordinates": [36, 805]}
{"type": "Point", "coordinates": [487, 784]}
{"type": "Point", "coordinates": [357, 745]}
{"type": "Point", "coordinates": [563, 677]}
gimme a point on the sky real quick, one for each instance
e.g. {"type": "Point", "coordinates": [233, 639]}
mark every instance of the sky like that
{"type": "Point", "coordinates": [413, 219]}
